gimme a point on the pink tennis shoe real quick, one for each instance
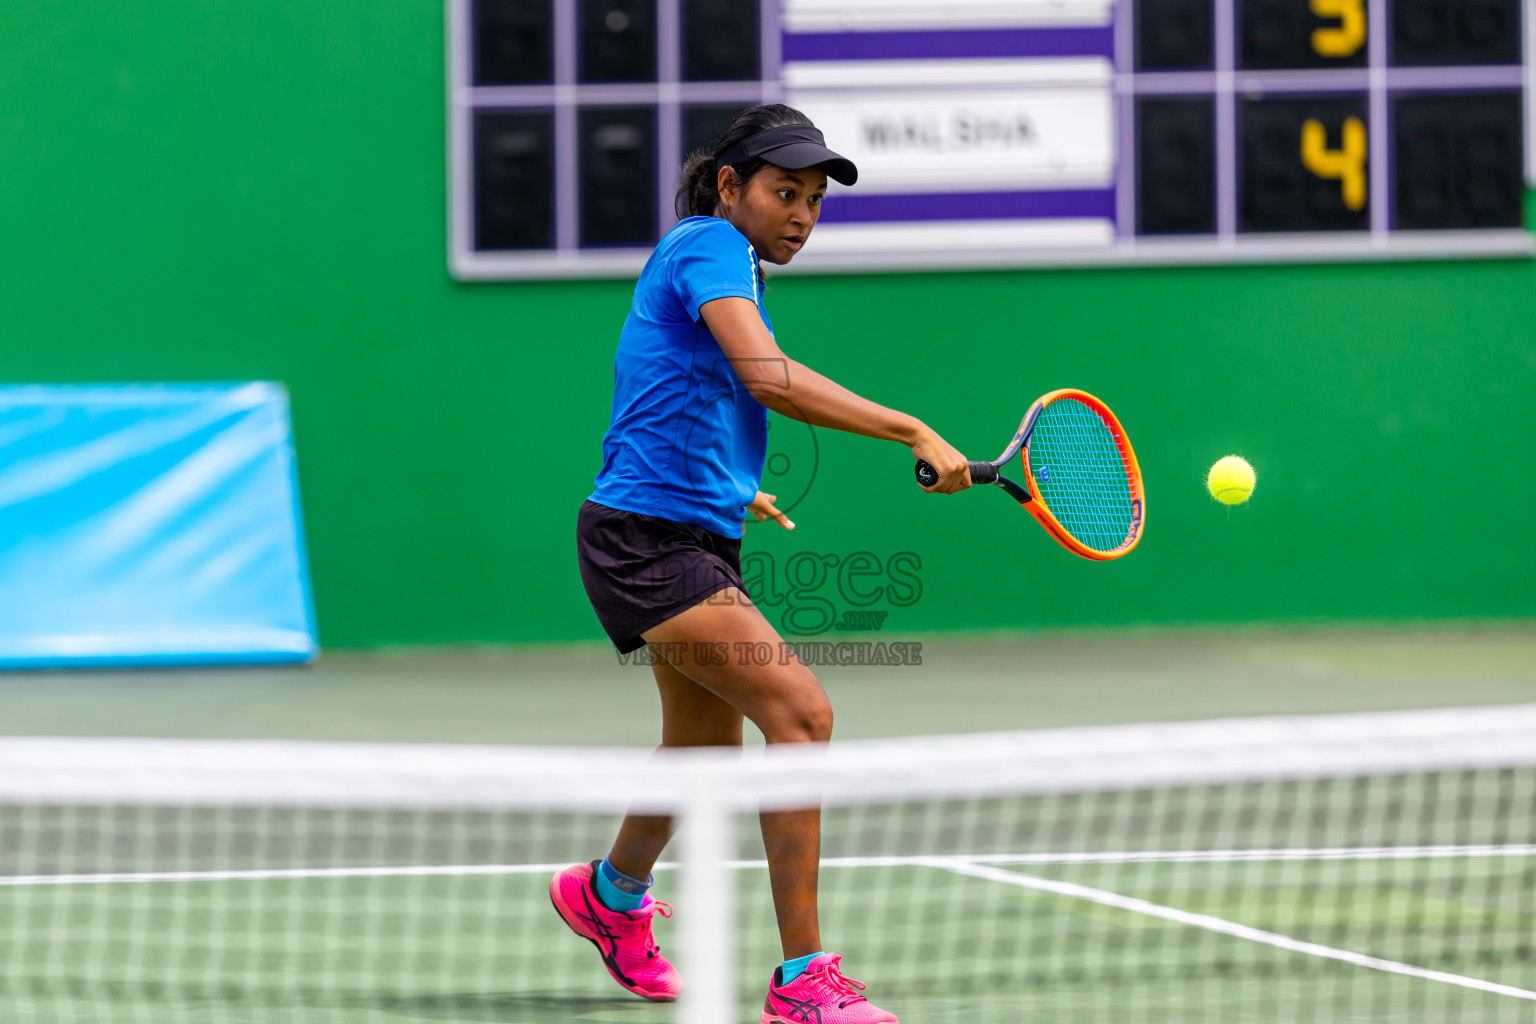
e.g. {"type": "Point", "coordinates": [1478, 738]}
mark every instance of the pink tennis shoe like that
{"type": "Point", "coordinates": [622, 939]}
{"type": "Point", "coordinates": [822, 995]}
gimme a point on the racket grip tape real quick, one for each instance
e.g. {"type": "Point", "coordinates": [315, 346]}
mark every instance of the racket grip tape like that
{"type": "Point", "coordinates": [981, 473]}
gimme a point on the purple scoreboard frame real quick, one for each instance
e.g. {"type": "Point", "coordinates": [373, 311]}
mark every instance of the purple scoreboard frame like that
{"type": "Point", "coordinates": [1080, 204]}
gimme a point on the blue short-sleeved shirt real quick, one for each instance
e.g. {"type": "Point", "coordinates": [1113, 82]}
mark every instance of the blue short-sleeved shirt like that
{"type": "Point", "coordinates": [686, 441]}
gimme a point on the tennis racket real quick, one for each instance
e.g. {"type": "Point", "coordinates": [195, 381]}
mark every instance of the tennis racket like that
{"type": "Point", "coordinates": [1081, 480]}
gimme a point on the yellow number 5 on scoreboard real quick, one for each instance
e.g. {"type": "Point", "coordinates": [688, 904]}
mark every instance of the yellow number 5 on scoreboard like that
{"type": "Point", "coordinates": [1345, 39]}
{"type": "Point", "coordinates": [1346, 163]}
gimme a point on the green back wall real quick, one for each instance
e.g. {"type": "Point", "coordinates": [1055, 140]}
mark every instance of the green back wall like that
{"type": "Point", "coordinates": [216, 190]}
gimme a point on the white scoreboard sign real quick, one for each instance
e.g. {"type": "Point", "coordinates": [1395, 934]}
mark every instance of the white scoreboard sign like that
{"type": "Point", "coordinates": [917, 141]}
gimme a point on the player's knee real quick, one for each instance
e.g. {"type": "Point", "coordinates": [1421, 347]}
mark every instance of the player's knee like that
{"type": "Point", "coordinates": [811, 719]}
{"type": "Point", "coordinates": [797, 722]}
{"type": "Point", "coordinates": [820, 724]}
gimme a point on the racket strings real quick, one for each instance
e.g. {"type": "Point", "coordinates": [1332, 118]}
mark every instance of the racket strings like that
{"type": "Point", "coordinates": [1081, 474]}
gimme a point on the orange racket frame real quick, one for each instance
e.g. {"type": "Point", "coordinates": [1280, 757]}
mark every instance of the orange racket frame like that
{"type": "Point", "coordinates": [1042, 512]}
{"type": "Point", "coordinates": [1029, 494]}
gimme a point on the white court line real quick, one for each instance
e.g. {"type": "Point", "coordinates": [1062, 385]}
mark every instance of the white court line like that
{"type": "Point", "coordinates": [1224, 927]}
{"type": "Point", "coordinates": [403, 871]}
{"type": "Point", "coordinates": [951, 862]}
{"type": "Point", "coordinates": [972, 866]}
{"type": "Point", "coordinates": [1240, 856]}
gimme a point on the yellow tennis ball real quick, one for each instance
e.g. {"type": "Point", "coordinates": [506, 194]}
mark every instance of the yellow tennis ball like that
{"type": "Point", "coordinates": [1230, 480]}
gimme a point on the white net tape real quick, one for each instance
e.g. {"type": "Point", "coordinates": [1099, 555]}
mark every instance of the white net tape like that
{"type": "Point", "coordinates": [428, 776]}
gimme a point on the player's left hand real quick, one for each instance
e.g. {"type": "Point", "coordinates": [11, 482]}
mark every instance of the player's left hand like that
{"type": "Point", "coordinates": [762, 508]}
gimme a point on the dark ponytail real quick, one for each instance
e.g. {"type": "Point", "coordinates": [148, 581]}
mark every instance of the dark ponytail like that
{"type": "Point", "coordinates": [697, 195]}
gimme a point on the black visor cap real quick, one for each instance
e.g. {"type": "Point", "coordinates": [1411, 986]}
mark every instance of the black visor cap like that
{"type": "Point", "coordinates": [793, 147]}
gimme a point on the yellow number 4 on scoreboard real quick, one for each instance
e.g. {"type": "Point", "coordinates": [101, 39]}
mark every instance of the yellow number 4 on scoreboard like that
{"type": "Point", "coordinates": [1347, 164]}
{"type": "Point", "coordinates": [1348, 36]}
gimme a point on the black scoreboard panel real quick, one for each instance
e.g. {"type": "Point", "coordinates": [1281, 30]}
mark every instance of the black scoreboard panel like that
{"type": "Point", "coordinates": [721, 41]}
{"type": "Point", "coordinates": [513, 42]}
{"type": "Point", "coordinates": [616, 41]}
{"type": "Point", "coordinates": [1314, 102]}
{"type": "Point", "coordinates": [608, 149]}
{"type": "Point", "coordinates": [514, 171]}
{"type": "Point", "coordinates": [1458, 160]}
{"type": "Point", "coordinates": [1286, 34]}
{"type": "Point", "coordinates": [1201, 130]}
{"type": "Point", "coordinates": [1175, 35]}
{"type": "Point", "coordinates": [1303, 164]}
{"type": "Point", "coordinates": [617, 157]}
{"type": "Point", "coordinates": [1445, 33]}
{"type": "Point", "coordinates": [1176, 167]}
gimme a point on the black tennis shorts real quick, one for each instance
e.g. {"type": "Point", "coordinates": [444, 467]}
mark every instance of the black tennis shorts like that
{"type": "Point", "coordinates": [641, 570]}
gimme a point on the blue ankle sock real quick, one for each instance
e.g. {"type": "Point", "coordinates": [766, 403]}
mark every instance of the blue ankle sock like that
{"type": "Point", "coordinates": [792, 969]}
{"type": "Point", "coordinates": [616, 890]}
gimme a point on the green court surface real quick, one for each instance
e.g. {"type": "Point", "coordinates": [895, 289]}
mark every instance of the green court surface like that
{"type": "Point", "coordinates": [582, 695]}
{"type": "Point", "coordinates": [932, 944]}
{"type": "Point", "coordinates": [1064, 909]}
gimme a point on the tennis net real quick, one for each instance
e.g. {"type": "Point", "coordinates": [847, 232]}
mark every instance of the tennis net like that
{"type": "Point", "coordinates": [1377, 867]}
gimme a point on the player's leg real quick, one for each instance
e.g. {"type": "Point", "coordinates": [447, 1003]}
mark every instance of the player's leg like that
{"type": "Point", "coordinates": [635, 569]}
{"type": "Point", "coordinates": [608, 902]}
{"type": "Point", "coordinates": [784, 700]}
{"type": "Point", "coordinates": [691, 716]}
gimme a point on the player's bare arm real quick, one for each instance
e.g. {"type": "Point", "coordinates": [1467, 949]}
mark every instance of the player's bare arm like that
{"type": "Point", "coordinates": [799, 392]}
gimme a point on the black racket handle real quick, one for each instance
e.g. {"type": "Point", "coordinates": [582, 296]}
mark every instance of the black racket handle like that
{"type": "Point", "coordinates": [981, 473]}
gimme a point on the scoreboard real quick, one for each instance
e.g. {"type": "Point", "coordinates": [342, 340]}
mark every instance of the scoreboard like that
{"type": "Point", "coordinates": [1003, 132]}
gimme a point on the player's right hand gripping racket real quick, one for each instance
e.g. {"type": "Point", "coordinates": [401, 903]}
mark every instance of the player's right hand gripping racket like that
{"type": "Point", "coordinates": [1081, 480]}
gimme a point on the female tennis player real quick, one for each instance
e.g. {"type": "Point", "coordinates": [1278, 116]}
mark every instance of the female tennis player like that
{"type": "Point", "coordinates": [659, 539]}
